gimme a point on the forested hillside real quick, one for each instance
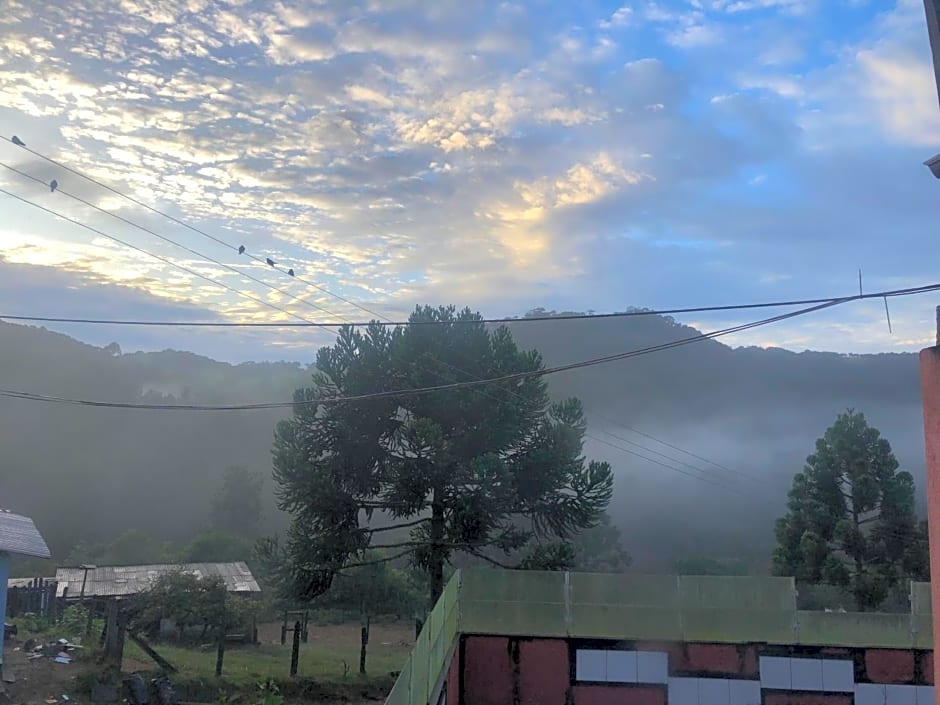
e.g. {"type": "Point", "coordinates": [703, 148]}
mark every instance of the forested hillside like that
{"type": "Point", "coordinates": [87, 473]}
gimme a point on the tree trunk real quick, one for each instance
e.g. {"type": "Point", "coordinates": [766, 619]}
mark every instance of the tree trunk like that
{"type": "Point", "coordinates": [364, 638]}
{"type": "Point", "coordinates": [436, 562]}
{"type": "Point", "coordinates": [860, 603]}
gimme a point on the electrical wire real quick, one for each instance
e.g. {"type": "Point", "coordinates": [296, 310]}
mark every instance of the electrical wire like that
{"type": "Point", "coordinates": [166, 260]}
{"type": "Point", "coordinates": [240, 249]}
{"type": "Point", "coordinates": [514, 377]}
{"type": "Point", "coordinates": [487, 321]}
{"type": "Point", "coordinates": [206, 257]}
{"type": "Point", "coordinates": [173, 242]}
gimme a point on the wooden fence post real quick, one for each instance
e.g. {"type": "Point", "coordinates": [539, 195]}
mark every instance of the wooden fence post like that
{"type": "Point", "coordinates": [220, 650]}
{"type": "Point", "coordinates": [295, 650]}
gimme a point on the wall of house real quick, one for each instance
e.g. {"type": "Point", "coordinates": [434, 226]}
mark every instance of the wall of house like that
{"type": "Point", "coordinates": [500, 670]}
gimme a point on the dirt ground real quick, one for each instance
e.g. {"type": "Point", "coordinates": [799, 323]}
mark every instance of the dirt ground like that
{"type": "Point", "coordinates": [38, 681]}
{"type": "Point", "coordinates": [396, 634]}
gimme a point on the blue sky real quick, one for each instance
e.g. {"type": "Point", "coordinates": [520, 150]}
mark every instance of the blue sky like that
{"type": "Point", "coordinates": [505, 156]}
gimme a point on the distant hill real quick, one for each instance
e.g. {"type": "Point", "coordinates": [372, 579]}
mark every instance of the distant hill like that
{"type": "Point", "coordinates": [93, 473]}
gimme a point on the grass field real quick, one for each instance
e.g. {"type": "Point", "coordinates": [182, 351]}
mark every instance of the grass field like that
{"type": "Point", "coordinates": [331, 656]}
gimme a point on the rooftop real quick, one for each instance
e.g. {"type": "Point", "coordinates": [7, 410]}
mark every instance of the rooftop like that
{"type": "Point", "coordinates": [19, 535]}
{"type": "Point", "coordinates": [115, 581]}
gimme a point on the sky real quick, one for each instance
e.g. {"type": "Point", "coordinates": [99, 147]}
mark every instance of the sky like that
{"type": "Point", "coordinates": [585, 156]}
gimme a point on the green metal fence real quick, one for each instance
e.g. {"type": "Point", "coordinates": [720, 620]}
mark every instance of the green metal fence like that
{"type": "Point", "coordinates": [427, 663]}
{"type": "Point", "coordinates": [635, 607]}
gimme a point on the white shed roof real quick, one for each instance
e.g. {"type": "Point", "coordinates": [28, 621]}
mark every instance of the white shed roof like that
{"type": "Point", "coordinates": [18, 534]}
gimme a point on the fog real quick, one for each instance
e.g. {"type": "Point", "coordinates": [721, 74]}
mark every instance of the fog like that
{"type": "Point", "coordinates": [85, 473]}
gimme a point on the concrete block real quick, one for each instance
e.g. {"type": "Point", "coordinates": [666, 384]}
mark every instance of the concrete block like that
{"type": "Point", "coordinates": [652, 667]}
{"type": "Point", "coordinates": [900, 695]}
{"type": "Point", "coordinates": [591, 665]}
{"type": "Point", "coordinates": [775, 672]}
{"type": "Point", "coordinates": [870, 694]}
{"type": "Point", "coordinates": [925, 695]}
{"type": "Point", "coordinates": [838, 676]}
{"type": "Point", "coordinates": [683, 691]}
{"type": "Point", "coordinates": [714, 691]}
{"type": "Point", "coordinates": [744, 692]}
{"type": "Point", "coordinates": [621, 666]}
{"type": "Point", "coordinates": [806, 674]}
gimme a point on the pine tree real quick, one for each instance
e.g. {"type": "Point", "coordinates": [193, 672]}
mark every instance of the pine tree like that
{"type": "Point", "coordinates": [461, 470]}
{"type": "Point", "coordinates": [850, 519]}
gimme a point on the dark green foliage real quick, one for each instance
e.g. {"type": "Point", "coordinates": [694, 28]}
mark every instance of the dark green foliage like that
{"type": "Point", "coordinates": [375, 589]}
{"type": "Point", "coordinates": [236, 508]}
{"type": "Point", "coordinates": [133, 547]}
{"type": "Point", "coordinates": [599, 549]}
{"type": "Point", "coordinates": [217, 547]}
{"type": "Point", "coordinates": [188, 600]}
{"type": "Point", "coordinates": [457, 468]}
{"type": "Point", "coordinates": [851, 519]}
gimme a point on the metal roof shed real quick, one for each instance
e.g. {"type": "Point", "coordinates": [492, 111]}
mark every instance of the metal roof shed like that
{"type": "Point", "coordinates": [18, 536]}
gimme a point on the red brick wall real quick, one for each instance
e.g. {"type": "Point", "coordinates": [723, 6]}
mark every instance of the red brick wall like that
{"type": "Point", "coordinates": [453, 679]}
{"type": "Point", "coordinates": [606, 695]}
{"type": "Point", "coordinates": [889, 666]}
{"type": "Point", "coordinates": [806, 699]}
{"type": "Point", "coordinates": [926, 666]}
{"type": "Point", "coordinates": [930, 394]}
{"type": "Point", "coordinates": [487, 672]}
{"type": "Point", "coordinates": [544, 676]}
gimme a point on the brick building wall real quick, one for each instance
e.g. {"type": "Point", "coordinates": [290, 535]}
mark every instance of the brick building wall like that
{"type": "Point", "coordinates": [499, 670]}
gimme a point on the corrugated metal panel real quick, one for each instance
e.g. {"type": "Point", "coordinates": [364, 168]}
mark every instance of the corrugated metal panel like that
{"type": "Point", "coordinates": [115, 581]}
{"type": "Point", "coordinates": [18, 534]}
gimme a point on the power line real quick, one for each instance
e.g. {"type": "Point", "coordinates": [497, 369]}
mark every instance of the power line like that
{"type": "Point", "coordinates": [514, 377]}
{"type": "Point", "coordinates": [240, 249]}
{"type": "Point", "coordinates": [173, 242]}
{"type": "Point", "coordinates": [151, 254]}
{"type": "Point", "coordinates": [488, 321]}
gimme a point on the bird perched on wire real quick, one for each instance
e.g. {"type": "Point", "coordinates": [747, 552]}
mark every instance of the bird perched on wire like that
{"type": "Point", "coordinates": [53, 185]}
{"type": "Point", "coordinates": [18, 142]}
{"type": "Point", "coordinates": [241, 249]}
{"type": "Point", "coordinates": [269, 261]}
{"type": "Point", "coordinates": [291, 272]}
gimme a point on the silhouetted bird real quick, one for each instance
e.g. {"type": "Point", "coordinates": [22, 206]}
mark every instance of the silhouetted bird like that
{"type": "Point", "coordinates": [18, 142]}
{"type": "Point", "coordinates": [53, 185]}
{"type": "Point", "coordinates": [269, 261]}
{"type": "Point", "coordinates": [241, 249]}
{"type": "Point", "coordinates": [291, 272]}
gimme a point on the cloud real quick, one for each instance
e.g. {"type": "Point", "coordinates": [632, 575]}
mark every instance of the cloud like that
{"type": "Point", "coordinates": [501, 155]}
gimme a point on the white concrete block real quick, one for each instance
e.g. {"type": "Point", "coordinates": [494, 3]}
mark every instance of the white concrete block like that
{"type": "Point", "coordinates": [652, 667]}
{"type": "Point", "coordinates": [901, 695]}
{"type": "Point", "coordinates": [591, 665]}
{"type": "Point", "coordinates": [925, 695]}
{"type": "Point", "coordinates": [870, 694]}
{"type": "Point", "coordinates": [683, 691]}
{"type": "Point", "coordinates": [775, 672]}
{"type": "Point", "coordinates": [621, 666]}
{"type": "Point", "coordinates": [806, 674]}
{"type": "Point", "coordinates": [838, 676]}
{"type": "Point", "coordinates": [745, 692]}
{"type": "Point", "coordinates": [714, 691]}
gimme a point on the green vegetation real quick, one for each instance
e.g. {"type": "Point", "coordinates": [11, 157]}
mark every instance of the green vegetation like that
{"type": "Point", "coordinates": [236, 509]}
{"type": "Point", "coordinates": [332, 663]}
{"type": "Point", "coordinates": [479, 471]}
{"type": "Point", "coordinates": [851, 520]}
